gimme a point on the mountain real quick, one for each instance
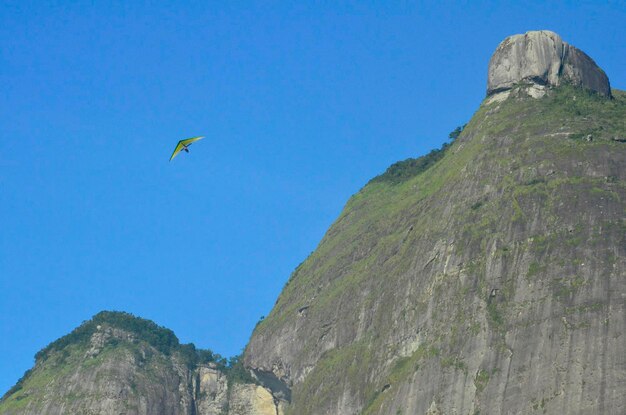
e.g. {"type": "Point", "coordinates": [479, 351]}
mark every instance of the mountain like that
{"type": "Point", "coordinates": [117, 363]}
{"type": "Point", "coordinates": [485, 277]}
{"type": "Point", "coordinates": [490, 280]}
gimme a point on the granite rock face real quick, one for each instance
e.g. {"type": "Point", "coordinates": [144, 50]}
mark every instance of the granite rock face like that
{"type": "Point", "coordinates": [490, 282]}
{"type": "Point", "coordinates": [542, 58]}
{"type": "Point", "coordinates": [254, 400]}
{"type": "Point", "coordinates": [212, 390]}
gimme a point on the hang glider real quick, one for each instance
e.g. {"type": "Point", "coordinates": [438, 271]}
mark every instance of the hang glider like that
{"type": "Point", "coordinates": [183, 145]}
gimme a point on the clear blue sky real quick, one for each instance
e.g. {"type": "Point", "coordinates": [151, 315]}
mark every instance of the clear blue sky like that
{"type": "Point", "coordinates": [300, 105]}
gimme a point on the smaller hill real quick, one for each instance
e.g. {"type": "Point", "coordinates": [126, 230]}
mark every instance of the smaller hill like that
{"type": "Point", "coordinates": [119, 363]}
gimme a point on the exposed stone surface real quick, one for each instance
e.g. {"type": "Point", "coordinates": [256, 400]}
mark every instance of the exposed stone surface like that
{"type": "Point", "coordinates": [541, 58]}
{"type": "Point", "coordinates": [212, 387]}
{"type": "Point", "coordinates": [103, 336]}
{"type": "Point", "coordinates": [253, 400]}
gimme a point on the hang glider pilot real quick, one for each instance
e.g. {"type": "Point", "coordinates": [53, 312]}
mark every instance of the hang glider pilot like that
{"type": "Point", "coordinates": [183, 145]}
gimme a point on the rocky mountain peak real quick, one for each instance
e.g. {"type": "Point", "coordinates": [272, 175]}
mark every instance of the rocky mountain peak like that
{"type": "Point", "coordinates": [541, 59]}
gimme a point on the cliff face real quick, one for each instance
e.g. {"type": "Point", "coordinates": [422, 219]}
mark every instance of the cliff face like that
{"type": "Point", "coordinates": [491, 282]}
{"type": "Point", "coordinates": [136, 369]}
{"type": "Point", "coordinates": [485, 278]}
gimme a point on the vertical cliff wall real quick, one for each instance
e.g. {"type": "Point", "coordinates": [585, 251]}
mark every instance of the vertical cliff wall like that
{"type": "Point", "coordinates": [493, 281]}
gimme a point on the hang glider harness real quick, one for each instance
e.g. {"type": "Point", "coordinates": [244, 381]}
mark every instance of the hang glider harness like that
{"type": "Point", "coordinates": [183, 145]}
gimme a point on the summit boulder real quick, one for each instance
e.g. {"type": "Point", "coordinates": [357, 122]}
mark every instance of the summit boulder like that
{"type": "Point", "coordinates": [541, 59]}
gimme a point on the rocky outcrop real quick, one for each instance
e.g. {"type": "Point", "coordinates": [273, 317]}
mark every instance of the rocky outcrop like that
{"type": "Point", "coordinates": [211, 387]}
{"type": "Point", "coordinates": [215, 397]}
{"type": "Point", "coordinates": [540, 59]}
{"type": "Point", "coordinates": [254, 400]}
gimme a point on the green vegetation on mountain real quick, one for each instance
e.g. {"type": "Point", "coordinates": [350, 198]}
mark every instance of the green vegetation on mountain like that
{"type": "Point", "coordinates": [162, 339]}
{"type": "Point", "coordinates": [411, 167]}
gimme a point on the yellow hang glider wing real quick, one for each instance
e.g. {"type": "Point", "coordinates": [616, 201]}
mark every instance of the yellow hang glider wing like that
{"type": "Point", "coordinates": [183, 144]}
